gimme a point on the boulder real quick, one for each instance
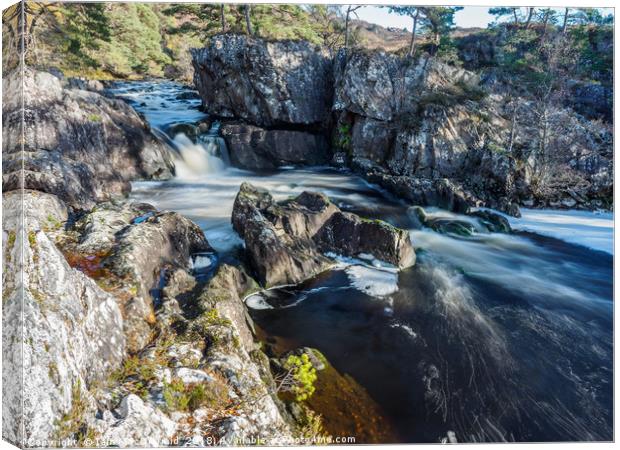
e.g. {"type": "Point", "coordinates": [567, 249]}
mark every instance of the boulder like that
{"type": "Point", "coordinates": [255, 148]}
{"type": "Point", "coordinates": [347, 234]}
{"type": "Point", "coordinates": [438, 192]}
{"type": "Point", "coordinates": [135, 424]}
{"type": "Point", "coordinates": [286, 241]}
{"type": "Point", "coordinates": [78, 145]}
{"type": "Point", "coordinates": [129, 248]}
{"type": "Point", "coordinates": [592, 100]}
{"type": "Point", "coordinates": [267, 84]}
{"type": "Point", "coordinates": [277, 257]}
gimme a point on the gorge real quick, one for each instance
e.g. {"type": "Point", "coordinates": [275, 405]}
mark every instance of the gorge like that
{"type": "Point", "coordinates": [360, 212]}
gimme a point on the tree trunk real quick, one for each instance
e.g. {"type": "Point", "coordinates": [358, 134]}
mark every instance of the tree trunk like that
{"type": "Point", "coordinates": [529, 17]}
{"type": "Point", "coordinates": [223, 18]}
{"type": "Point", "coordinates": [544, 33]}
{"type": "Point", "coordinates": [413, 30]}
{"type": "Point", "coordinates": [565, 23]}
{"type": "Point", "coordinates": [514, 13]}
{"type": "Point", "coordinates": [513, 127]}
{"type": "Point", "coordinates": [346, 28]}
{"type": "Point", "coordinates": [248, 25]}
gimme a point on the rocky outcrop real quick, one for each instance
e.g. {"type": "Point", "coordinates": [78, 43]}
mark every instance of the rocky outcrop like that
{"type": "Point", "coordinates": [280, 91]}
{"type": "Point", "coordinates": [129, 248]}
{"type": "Point", "coordinates": [592, 100]}
{"type": "Point", "coordinates": [256, 148]}
{"type": "Point", "coordinates": [264, 83]}
{"type": "Point", "coordinates": [286, 242]}
{"type": "Point", "coordinates": [208, 355]}
{"type": "Point", "coordinates": [77, 144]}
{"type": "Point", "coordinates": [114, 332]}
{"type": "Point", "coordinates": [64, 328]}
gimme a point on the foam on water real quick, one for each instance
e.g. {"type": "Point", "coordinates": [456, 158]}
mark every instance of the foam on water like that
{"type": "Point", "coordinates": [592, 229]}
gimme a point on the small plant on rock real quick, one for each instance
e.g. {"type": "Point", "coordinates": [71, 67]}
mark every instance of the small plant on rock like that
{"type": "Point", "coordinates": [299, 377]}
{"type": "Point", "coordinates": [181, 396]}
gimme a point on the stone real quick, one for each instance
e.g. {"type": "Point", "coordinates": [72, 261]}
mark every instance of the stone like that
{"type": "Point", "coordinates": [255, 148]}
{"type": "Point", "coordinates": [78, 145]}
{"type": "Point", "coordinates": [286, 242]}
{"type": "Point", "coordinates": [137, 424]}
{"type": "Point", "coordinates": [63, 331]}
{"type": "Point", "coordinates": [264, 83]}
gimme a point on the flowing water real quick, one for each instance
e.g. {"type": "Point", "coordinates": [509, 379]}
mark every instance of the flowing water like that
{"type": "Point", "coordinates": [491, 337]}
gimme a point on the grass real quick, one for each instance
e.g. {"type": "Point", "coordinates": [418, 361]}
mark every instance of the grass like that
{"type": "Point", "coordinates": [72, 424]}
{"type": "Point", "coordinates": [181, 396]}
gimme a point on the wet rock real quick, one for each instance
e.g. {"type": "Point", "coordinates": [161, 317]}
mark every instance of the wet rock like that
{"type": "Point", "coordinates": [142, 251]}
{"type": "Point", "coordinates": [347, 234]}
{"type": "Point", "coordinates": [264, 83]}
{"type": "Point", "coordinates": [255, 148]}
{"type": "Point", "coordinates": [276, 256]}
{"type": "Point", "coordinates": [78, 145]}
{"type": "Point", "coordinates": [419, 191]}
{"type": "Point", "coordinates": [496, 223]}
{"type": "Point", "coordinates": [285, 241]}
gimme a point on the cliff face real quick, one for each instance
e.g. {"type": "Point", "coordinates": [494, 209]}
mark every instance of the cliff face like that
{"type": "Point", "coordinates": [403, 119]}
{"type": "Point", "coordinates": [279, 92]}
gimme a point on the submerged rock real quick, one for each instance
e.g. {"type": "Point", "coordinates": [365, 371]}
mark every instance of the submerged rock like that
{"type": "Point", "coordinates": [286, 241]}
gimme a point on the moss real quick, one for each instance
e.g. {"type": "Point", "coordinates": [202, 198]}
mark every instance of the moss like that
{"type": "Point", "coordinates": [94, 117]}
{"type": "Point", "coordinates": [10, 243]}
{"type": "Point", "coordinates": [53, 372]}
{"type": "Point", "coordinates": [180, 396]}
{"type": "Point", "coordinates": [11, 239]}
{"type": "Point", "coordinates": [52, 223]}
{"type": "Point", "coordinates": [71, 424]}
{"type": "Point", "coordinates": [32, 239]}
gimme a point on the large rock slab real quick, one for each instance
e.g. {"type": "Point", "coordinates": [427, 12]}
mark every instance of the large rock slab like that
{"type": "Point", "coordinates": [60, 329]}
{"type": "Point", "coordinates": [77, 144]}
{"type": "Point", "coordinates": [264, 83]}
{"type": "Point", "coordinates": [255, 148]}
{"type": "Point", "coordinates": [286, 241]}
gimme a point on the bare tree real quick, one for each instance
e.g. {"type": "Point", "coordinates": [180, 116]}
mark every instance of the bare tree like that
{"type": "Point", "coordinates": [350, 10]}
{"type": "Point", "coordinates": [565, 22]}
{"type": "Point", "coordinates": [530, 13]}
{"type": "Point", "coordinates": [223, 18]}
{"type": "Point", "coordinates": [248, 25]}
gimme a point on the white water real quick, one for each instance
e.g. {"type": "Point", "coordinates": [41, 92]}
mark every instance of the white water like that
{"type": "Point", "coordinates": [591, 229]}
{"type": "Point", "coordinates": [195, 161]}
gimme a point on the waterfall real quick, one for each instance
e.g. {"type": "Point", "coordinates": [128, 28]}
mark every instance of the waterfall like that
{"type": "Point", "coordinates": [208, 155]}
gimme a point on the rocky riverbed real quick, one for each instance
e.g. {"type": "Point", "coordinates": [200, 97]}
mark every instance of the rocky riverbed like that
{"type": "Point", "coordinates": [174, 260]}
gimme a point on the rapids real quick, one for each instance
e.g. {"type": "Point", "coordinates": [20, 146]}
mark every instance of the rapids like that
{"type": "Point", "coordinates": [493, 337]}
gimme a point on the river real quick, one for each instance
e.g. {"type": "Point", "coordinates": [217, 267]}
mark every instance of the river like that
{"type": "Point", "coordinates": [493, 337]}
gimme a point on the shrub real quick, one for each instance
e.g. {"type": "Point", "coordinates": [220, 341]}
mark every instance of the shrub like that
{"type": "Point", "coordinates": [180, 396]}
{"type": "Point", "coordinates": [302, 375]}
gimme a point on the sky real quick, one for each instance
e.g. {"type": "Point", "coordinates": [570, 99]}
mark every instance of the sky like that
{"type": "Point", "coordinates": [468, 17]}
